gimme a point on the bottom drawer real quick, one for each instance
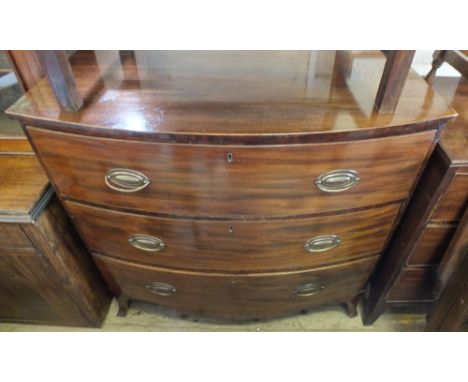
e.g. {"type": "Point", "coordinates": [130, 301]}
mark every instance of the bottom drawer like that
{"type": "Point", "coordinates": [236, 296]}
{"type": "Point", "coordinates": [413, 285]}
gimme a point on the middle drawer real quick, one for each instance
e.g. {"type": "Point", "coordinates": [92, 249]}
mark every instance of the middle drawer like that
{"type": "Point", "coordinates": [234, 245]}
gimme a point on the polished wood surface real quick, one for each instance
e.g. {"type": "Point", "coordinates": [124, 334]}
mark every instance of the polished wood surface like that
{"type": "Point", "coordinates": [22, 184]}
{"type": "Point", "coordinates": [229, 148]}
{"type": "Point", "coordinates": [452, 205]}
{"type": "Point", "coordinates": [431, 187]}
{"type": "Point", "coordinates": [230, 296]}
{"type": "Point", "coordinates": [234, 246]}
{"type": "Point", "coordinates": [432, 245]}
{"type": "Point", "coordinates": [413, 284]}
{"type": "Point", "coordinates": [235, 97]}
{"type": "Point", "coordinates": [198, 180]}
{"type": "Point", "coordinates": [14, 145]}
{"type": "Point", "coordinates": [439, 201]}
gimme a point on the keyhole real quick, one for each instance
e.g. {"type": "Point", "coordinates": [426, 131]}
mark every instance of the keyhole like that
{"type": "Point", "coordinates": [231, 228]}
{"type": "Point", "coordinates": [230, 158]}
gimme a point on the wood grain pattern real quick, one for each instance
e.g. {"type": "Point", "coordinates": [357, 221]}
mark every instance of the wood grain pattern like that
{"type": "Point", "coordinates": [193, 180]}
{"type": "Point", "coordinates": [23, 182]}
{"type": "Point", "coordinates": [236, 296]}
{"type": "Point", "coordinates": [232, 143]}
{"type": "Point", "coordinates": [12, 236]}
{"type": "Point", "coordinates": [28, 293]}
{"type": "Point", "coordinates": [46, 276]}
{"type": "Point", "coordinates": [70, 263]}
{"type": "Point", "coordinates": [51, 279]}
{"type": "Point", "coordinates": [432, 245]}
{"type": "Point", "coordinates": [15, 145]}
{"type": "Point", "coordinates": [452, 205]}
{"type": "Point", "coordinates": [234, 246]}
{"type": "Point", "coordinates": [430, 188]}
{"type": "Point", "coordinates": [413, 284]}
{"type": "Point", "coordinates": [442, 185]}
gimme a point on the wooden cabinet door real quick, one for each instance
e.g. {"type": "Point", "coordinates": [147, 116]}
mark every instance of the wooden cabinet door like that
{"type": "Point", "coordinates": [28, 292]}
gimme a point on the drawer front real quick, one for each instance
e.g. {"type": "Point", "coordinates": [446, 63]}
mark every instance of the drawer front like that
{"type": "Point", "coordinates": [236, 296]}
{"type": "Point", "coordinates": [452, 205]}
{"type": "Point", "coordinates": [198, 180]}
{"type": "Point", "coordinates": [432, 244]}
{"type": "Point", "coordinates": [12, 236]}
{"type": "Point", "coordinates": [413, 284]}
{"type": "Point", "coordinates": [238, 246]}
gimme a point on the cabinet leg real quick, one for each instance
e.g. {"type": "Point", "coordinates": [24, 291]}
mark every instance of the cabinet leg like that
{"type": "Point", "coordinates": [124, 304]}
{"type": "Point", "coordinates": [351, 306]}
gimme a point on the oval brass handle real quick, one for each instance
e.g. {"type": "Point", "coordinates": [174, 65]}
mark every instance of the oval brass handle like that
{"type": "Point", "coordinates": [161, 288]}
{"type": "Point", "coordinates": [308, 289]}
{"type": "Point", "coordinates": [322, 243]}
{"type": "Point", "coordinates": [146, 243]}
{"type": "Point", "coordinates": [337, 180]}
{"type": "Point", "coordinates": [125, 180]}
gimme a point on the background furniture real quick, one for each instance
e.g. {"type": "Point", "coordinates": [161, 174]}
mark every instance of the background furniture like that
{"type": "Point", "coordinates": [46, 275]}
{"type": "Point", "coordinates": [457, 58]}
{"type": "Point", "coordinates": [408, 271]}
{"type": "Point", "coordinates": [231, 184]}
{"type": "Point", "coordinates": [450, 311]}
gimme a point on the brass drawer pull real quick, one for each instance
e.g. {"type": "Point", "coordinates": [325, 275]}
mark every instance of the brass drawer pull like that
{"type": "Point", "coordinates": [125, 180]}
{"type": "Point", "coordinates": [322, 243]}
{"type": "Point", "coordinates": [337, 181]}
{"type": "Point", "coordinates": [308, 289]}
{"type": "Point", "coordinates": [146, 243]}
{"type": "Point", "coordinates": [161, 288]}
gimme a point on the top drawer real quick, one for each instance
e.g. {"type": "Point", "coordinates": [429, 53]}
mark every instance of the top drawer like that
{"type": "Point", "coordinates": [208, 180]}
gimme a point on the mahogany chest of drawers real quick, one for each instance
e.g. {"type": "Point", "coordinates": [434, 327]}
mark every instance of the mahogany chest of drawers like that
{"type": "Point", "coordinates": [234, 184]}
{"type": "Point", "coordinates": [408, 273]}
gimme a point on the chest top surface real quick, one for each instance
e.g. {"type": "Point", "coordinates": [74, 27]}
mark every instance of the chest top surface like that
{"type": "Point", "coordinates": [166, 94]}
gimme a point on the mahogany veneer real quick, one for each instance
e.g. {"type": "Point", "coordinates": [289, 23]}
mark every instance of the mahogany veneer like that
{"type": "Point", "coordinates": [234, 184]}
{"type": "Point", "coordinates": [408, 273]}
